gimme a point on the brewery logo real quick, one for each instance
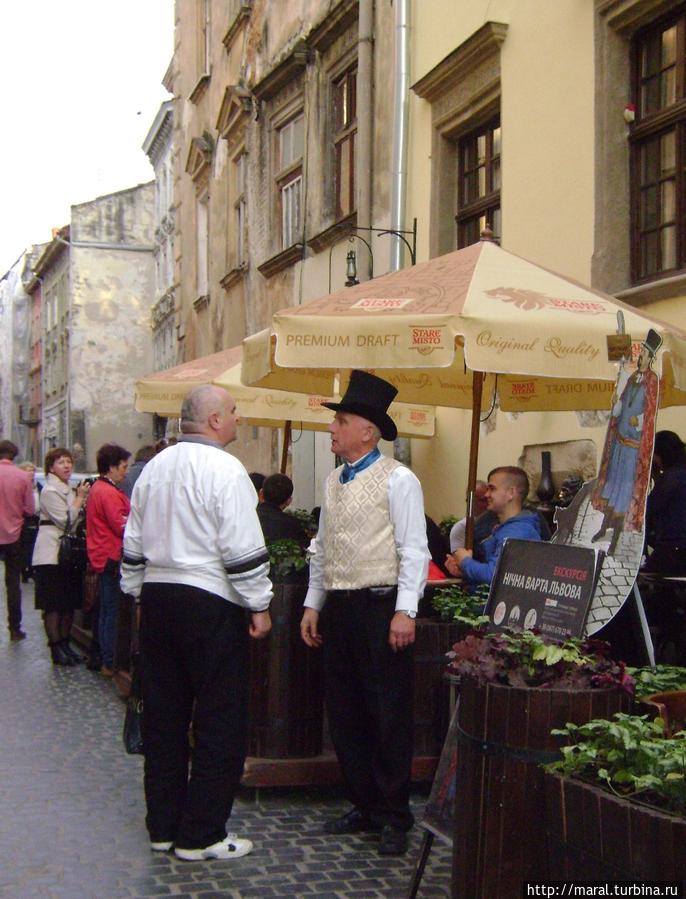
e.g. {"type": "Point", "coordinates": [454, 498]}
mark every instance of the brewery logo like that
{"type": "Point", "coordinates": [374, 304]}
{"type": "Point", "coordinates": [426, 340]}
{"type": "Point", "coordinates": [528, 300]}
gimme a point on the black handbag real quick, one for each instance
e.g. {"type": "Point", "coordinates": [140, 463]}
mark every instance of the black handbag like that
{"type": "Point", "coordinates": [72, 554]}
{"type": "Point", "coordinates": [132, 735]}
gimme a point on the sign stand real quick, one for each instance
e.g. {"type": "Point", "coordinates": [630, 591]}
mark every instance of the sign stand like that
{"type": "Point", "coordinates": [555, 600]}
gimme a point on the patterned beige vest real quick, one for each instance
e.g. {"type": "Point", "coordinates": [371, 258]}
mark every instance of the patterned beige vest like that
{"type": "Point", "coordinates": [359, 547]}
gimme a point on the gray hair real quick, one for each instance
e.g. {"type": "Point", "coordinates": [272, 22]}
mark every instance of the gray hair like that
{"type": "Point", "coordinates": [198, 405]}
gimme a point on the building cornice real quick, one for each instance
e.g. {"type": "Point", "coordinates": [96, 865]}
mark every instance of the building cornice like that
{"type": "Point", "coordinates": [240, 18]}
{"type": "Point", "coordinates": [469, 56]}
{"type": "Point", "coordinates": [57, 246]}
{"type": "Point", "coordinates": [200, 156]}
{"type": "Point", "coordinates": [283, 72]}
{"type": "Point", "coordinates": [282, 260]}
{"type": "Point", "coordinates": [234, 111]}
{"type": "Point", "coordinates": [336, 22]}
{"type": "Point", "coordinates": [627, 16]}
{"type": "Point", "coordinates": [159, 135]}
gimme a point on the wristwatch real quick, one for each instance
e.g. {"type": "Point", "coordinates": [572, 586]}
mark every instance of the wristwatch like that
{"type": "Point", "coordinates": [409, 612]}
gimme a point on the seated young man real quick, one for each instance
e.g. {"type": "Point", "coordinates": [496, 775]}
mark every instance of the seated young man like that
{"type": "Point", "coordinates": [276, 495]}
{"type": "Point", "coordinates": [506, 492]}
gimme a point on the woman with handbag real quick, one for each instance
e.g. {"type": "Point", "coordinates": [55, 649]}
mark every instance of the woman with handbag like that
{"type": "Point", "coordinates": [58, 588]}
{"type": "Point", "coordinates": [108, 510]}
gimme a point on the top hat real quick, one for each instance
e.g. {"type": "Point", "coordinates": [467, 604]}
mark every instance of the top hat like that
{"type": "Point", "coordinates": [652, 342]}
{"type": "Point", "coordinates": [369, 397]}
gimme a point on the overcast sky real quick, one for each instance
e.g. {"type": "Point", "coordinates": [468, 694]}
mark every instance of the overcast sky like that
{"type": "Point", "coordinates": [80, 84]}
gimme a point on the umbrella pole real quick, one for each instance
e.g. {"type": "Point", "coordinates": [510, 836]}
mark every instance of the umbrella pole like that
{"type": "Point", "coordinates": [286, 444]}
{"type": "Point", "coordinates": [477, 390]}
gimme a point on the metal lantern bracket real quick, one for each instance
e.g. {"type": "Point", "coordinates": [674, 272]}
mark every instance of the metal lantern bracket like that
{"type": "Point", "coordinates": [401, 234]}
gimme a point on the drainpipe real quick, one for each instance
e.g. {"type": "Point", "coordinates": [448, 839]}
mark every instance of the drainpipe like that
{"type": "Point", "coordinates": [365, 107]}
{"type": "Point", "coordinates": [401, 106]}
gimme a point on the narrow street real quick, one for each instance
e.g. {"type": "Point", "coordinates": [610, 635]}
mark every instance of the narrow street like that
{"type": "Point", "coordinates": [71, 808]}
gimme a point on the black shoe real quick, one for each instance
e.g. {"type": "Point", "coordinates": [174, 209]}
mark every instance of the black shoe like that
{"type": "Point", "coordinates": [71, 653]}
{"type": "Point", "coordinates": [59, 657]}
{"type": "Point", "coordinates": [393, 841]}
{"type": "Point", "coordinates": [354, 821]}
{"type": "Point", "coordinates": [94, 662]}
{"type": "Point", "coordinates": [17, 634]}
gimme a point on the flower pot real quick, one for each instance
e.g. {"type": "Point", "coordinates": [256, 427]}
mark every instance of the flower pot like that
{"type": "Point", "coordinates": [286, 698]}
{"type": "Point", "coordinates": [503, 738]}
{"type": "Point", "coordinates": [595, 835]}
{"type": "Point", "coordinates": [670, 706]}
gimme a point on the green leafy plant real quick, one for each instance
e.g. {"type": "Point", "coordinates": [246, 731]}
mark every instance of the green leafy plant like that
{"type": "Point", "coordinates": [630, 756]}
{"type": "Point", "coordinates": [454, 603]}
{"type": "Point", "coordinates": [306, 519]}
{"type": "Point", "coordinates": [286, 557]}
{"type": "Point", "coordinates": [527, 659]}
{"type": "Point", "coordinates": [446, 524]}
{"type": "Point", "coordinates": [658, 679]}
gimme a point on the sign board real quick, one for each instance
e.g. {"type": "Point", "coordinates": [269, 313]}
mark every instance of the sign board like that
{"type": "Point", "coordinates": [543, 586]}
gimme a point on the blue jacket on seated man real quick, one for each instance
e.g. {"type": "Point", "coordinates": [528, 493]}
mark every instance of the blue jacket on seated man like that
{"type": "Point", "coordinates": [506, 492]}
{"type": "Point", "coordinates": [525, 526]}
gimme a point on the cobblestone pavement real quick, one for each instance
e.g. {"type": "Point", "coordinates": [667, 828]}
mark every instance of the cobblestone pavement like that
{"type": "Point", "coordinates": [71, 808]}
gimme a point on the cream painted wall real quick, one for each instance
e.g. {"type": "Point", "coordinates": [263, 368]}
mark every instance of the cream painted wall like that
{"type": "Point", "coordinates": [441, 464]}
{"type": "Point", "coordinates": [547, 105]}
{"type": "Point", "coordinates": [548, 135]}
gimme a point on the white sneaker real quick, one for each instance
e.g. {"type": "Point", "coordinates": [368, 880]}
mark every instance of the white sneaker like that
{"type": "Point", "coordinates": [230, 847]}
{"type": "Point", "coordinates": [161, 847]}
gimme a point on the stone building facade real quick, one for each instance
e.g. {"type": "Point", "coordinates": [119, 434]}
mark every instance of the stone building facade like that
{"type": "Point", "coordinates": [158, 148]}
{"type": "Point", "coordinates": [15, 309]}
{"type": "Point", "coordinates": [282, 147]}
{"type": "Point", "coordinates": [97, 279]}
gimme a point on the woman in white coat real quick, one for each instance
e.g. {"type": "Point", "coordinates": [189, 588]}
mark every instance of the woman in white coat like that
{"type": "Point", "coordinates": [58, 591]}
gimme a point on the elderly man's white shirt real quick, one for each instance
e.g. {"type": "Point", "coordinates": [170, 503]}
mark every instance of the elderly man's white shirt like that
{"type": "Point", "coordinates": [193, 522]}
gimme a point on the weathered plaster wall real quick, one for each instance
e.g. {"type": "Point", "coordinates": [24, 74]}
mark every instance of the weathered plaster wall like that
{"type": "Point", "coordinates": [111, 295]}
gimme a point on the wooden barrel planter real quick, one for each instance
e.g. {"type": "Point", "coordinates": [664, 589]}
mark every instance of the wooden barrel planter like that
{"type": "Point", "coordinates": [595, 835]}
{"type": "Point", "coordinates": [433, 640]}
{"type": "Point", "coordinates": [503, 738]}
{"type": "Point", "coordinates": [286, 698]}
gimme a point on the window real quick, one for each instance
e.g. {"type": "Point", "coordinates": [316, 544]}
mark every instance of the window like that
{"type": "Point", "coordinates": [478, 184]}
{"type": "Point", "coordinates": [345, 127]}
{"type": "Point", "coordinates": [658, 143]}
{"type": "Point", "coordinates": [202, 245]}
{"type": "Point", "coordinates": [289, 180]}
{"type": "Point", "coordinates": [240, 208]}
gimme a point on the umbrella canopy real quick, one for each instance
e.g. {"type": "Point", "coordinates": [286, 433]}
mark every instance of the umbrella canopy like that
{"type": "Point", "coordinates": [539, 336]}
{"type": "Point", "coordinates": [164, 392]}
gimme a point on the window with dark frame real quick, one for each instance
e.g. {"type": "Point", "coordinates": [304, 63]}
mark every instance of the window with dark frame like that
{"type": "Point", "coordinates": [344, 111]}
{"type": "Point", "coordinates": [240, 209]}
{"type": "Point", "coordinates": [658, 150]}
{"type": "Point", "coordinates": [290, 148]}
{"type": "Point", "coordinates": [478, 160]}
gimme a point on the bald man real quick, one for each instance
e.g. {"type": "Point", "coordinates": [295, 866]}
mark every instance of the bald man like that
{"type": "Point", "coordinates": [195, 555]}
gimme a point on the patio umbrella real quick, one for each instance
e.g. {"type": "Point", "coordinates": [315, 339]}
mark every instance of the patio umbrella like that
{"type": "Point", "coordinates": [163, 393]}
{"type": "Point", "coordinates": [455, 329]}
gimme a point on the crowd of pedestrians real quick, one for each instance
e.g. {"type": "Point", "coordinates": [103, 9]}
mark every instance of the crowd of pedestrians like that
{"type": "Point", "coordinates": [185, 531]}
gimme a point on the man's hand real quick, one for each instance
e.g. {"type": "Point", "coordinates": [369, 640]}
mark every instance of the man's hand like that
{"type": "Point", "coordinates": [401, 632]}
{"type": "Point", "coordinates": [309, 628]}
{"type": "Point", "coordinates": [452, 566]}
{"type": "Point", "coordinates": [260, 625]}
{"type": "Point", "coordinates": [461, 554]}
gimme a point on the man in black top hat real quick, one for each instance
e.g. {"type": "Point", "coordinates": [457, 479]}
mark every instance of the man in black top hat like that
{"type": "Point", "coordinates": [367, 574]}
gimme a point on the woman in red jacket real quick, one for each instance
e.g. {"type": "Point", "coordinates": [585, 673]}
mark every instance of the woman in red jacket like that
{"type": "Point", "coordinates": [106, 514]}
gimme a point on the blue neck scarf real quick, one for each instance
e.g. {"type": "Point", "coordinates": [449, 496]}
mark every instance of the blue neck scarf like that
{"type": "Point", "coordinates": [349, 471]}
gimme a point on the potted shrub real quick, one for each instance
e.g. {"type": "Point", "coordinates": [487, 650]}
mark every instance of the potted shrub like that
{"type": "Point", "coordinates": [515, 688]}
{"type": "Point", "coordinates": [286, 699]}
{"type": "Point", "coordinates": [616, 801]}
